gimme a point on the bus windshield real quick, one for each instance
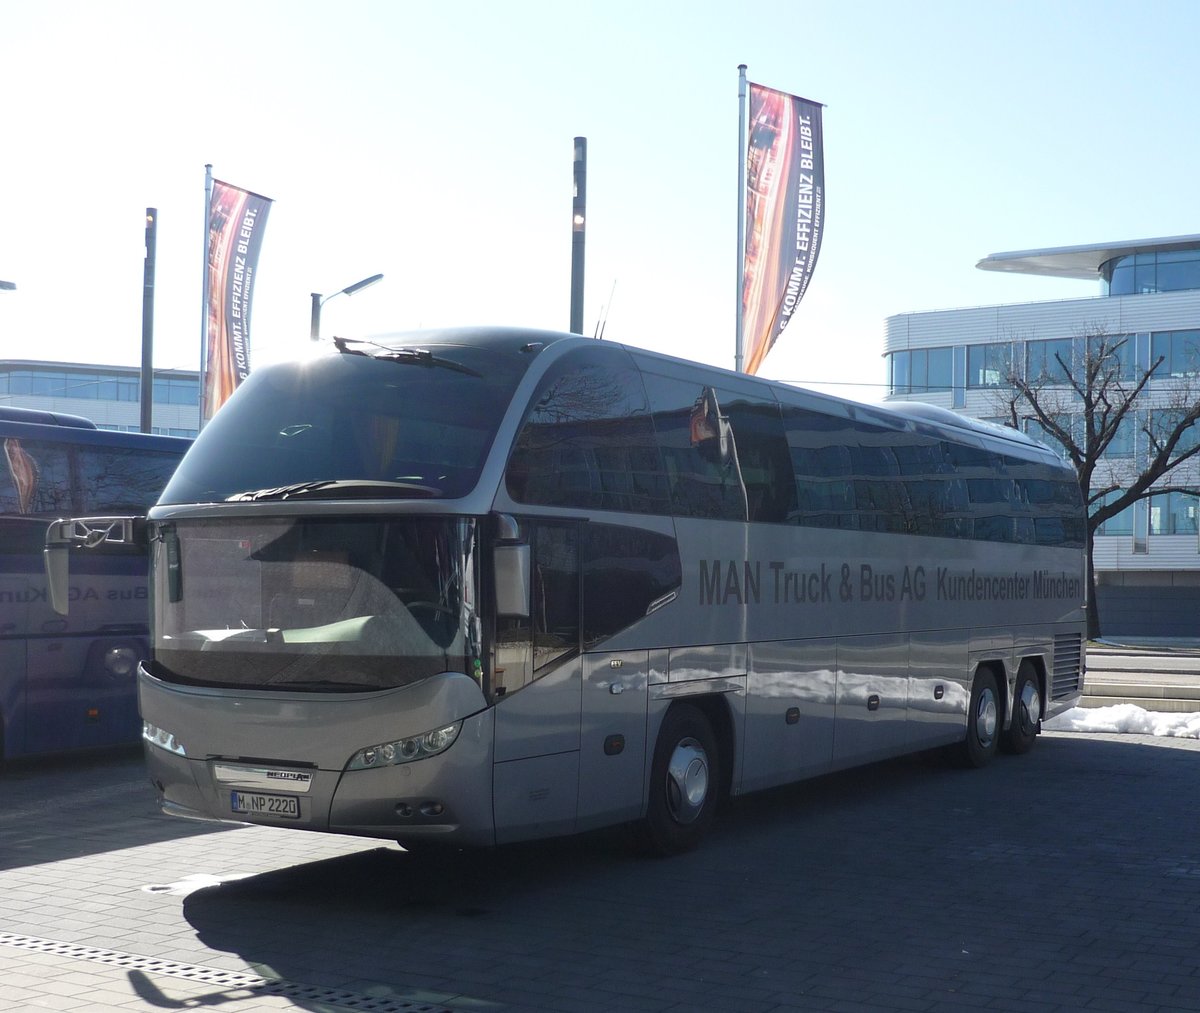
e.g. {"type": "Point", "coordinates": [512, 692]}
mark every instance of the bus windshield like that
{"type": "Point", "coordinates": [395, 424]}
{"type": "Point", "coordinates": [319, 604]}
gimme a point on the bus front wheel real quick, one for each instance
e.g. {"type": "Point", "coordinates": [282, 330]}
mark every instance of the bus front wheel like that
{"type": "Point", "coordinates": [685, 780]}
{"type": "Point", "coordinates": [983, 721]}
{"type": "Point", "coordinates": [1027, 712]}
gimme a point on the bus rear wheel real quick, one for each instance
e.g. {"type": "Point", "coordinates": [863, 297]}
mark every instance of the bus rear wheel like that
{"type": "Point", "coordinates": [983, 722]}
{"type": "Point", "coordinates": [1027, 712]}
{"type": "Point", "coordinates": [685, 780]}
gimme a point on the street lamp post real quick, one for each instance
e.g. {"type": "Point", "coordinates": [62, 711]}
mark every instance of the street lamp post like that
{"type": "Point", "coordinates": [319, 300]}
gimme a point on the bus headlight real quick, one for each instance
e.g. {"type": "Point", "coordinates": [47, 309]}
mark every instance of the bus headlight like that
{"type": "Point", "coordinates": [121, 661]}
{"type": "Point", "coordinates": [416, 747]}
{"type": "Point", "coordinates": [162, 739]}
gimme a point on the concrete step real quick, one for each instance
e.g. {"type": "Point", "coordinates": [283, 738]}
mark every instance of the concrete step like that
{"type": "Point", "coordinates": [1147, 695]}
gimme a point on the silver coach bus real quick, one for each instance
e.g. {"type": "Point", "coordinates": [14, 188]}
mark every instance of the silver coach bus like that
{"type": "Point", "coordinates": [479, 586]}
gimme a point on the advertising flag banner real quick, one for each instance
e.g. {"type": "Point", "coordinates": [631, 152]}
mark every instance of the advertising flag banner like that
{"type": "Point", "coordinates": [785, 205]}
{"type": "Point", "coordinates": [236, 219]}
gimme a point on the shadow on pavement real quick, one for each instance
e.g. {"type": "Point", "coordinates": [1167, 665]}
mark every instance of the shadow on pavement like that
{"type": "Point", "coordinates": [1028, 867]}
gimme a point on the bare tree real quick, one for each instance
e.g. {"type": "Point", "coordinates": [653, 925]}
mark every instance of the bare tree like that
{"type": "Point", "coordinates": [1088, 394]}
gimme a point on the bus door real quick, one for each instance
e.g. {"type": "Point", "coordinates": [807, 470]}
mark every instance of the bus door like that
{"type": "Point", "coordinates": [537, 673]}
{"type": "Point", "coordinates": [612, 744]}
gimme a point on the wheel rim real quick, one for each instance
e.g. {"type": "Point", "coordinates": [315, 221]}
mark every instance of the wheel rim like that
{"type": "Point", "coordinates": [1030, 707]}
{"type": "Point", "coordinates": [985, 717]}
{"type": "Point", "coordinates": [687, 781]}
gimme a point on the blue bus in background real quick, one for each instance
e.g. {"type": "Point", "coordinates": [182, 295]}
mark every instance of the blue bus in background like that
{"type": "Point", "coordinates": [69, 683]}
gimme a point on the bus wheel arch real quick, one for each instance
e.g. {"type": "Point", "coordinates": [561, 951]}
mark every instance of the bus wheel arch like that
{"type": "Point", "coordinates": [1028, 706]}
{"type": "Point", "coordinates": [985, 717]}
{"type": "Point", "coordinates": [687, 777]}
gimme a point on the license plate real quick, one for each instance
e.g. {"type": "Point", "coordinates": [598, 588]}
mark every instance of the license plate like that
{"type": "Point", "coordinates": [254, 804]}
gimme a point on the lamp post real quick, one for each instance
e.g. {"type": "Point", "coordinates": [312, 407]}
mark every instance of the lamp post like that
{"type": "Point", "coordinates": [319, 300]}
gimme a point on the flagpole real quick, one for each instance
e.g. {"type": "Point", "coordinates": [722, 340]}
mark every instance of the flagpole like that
{"type": "Point", "coordinates": [741, 217]}
{"type": "Point", "coordinates": [204, 286]}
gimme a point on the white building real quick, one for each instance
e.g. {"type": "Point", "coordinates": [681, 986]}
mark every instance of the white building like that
{"type": "Point", "coordinates": [108, 395]}
{"type": "Point", "coordinates": [1148, 557]}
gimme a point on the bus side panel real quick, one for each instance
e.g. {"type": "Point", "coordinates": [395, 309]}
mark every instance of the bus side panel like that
{"type": "Point", "coordinates": [82, 692]}
{"type": "Point", "coordinates": [789, 712]}
{"type": "Point", "coordinates": [939, 688]}
{"type": "Point", "coordinates": [81, 688]}
{"type": "Point", "coordinates": [542, 718]}
{"type": "Point", "coordinates": [536, 797]}
{"type": "Point", "coordinates": [872, 699]}
{"type": "Point", "coordinates": [536, 773]}
{"type": "Point", "coordinates": [12, 697]}
{"type": "Point", "coordinates": [15, 593]}
{"type": "Point", "coordinates": [612, 746]}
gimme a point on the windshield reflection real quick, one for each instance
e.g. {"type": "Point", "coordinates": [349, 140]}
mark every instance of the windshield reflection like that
{"type": "Point", "coordinates": [328, 604]}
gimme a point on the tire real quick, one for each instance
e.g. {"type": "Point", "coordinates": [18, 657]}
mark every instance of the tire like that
{"type": "Point", "coordinates": [685, 781]}
{"type": "Point", "coordinates": [1027, 712]}
{"type": "Point", "coordinates": [983, 722]}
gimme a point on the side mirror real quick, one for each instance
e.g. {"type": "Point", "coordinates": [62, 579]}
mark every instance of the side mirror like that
{"type": "Point", "coordinates": [87, 532]}
{"type": "Point", "coordinates": [511, 565]}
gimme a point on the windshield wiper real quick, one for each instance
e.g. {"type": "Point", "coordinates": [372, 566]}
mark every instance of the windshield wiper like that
{"type": "Point", "coordinates": [337, 488]}
{"type": "Point", "coordinates": [414, 356]}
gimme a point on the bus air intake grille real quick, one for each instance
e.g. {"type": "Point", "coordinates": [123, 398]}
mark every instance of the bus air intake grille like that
{"type": "Point", "coordinates": [222, 981]}
{"type": "Point", "coordinates": [1068, 658]}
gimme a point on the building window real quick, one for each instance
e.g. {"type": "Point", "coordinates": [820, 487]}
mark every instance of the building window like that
{"type": "Point", "coordinates": [1048, 360]}
{"type": "Point", "coordinates": [1143, 273]}
{"type": "Point", "coordinates": [1120, 353]}
{"type": "Point", "coordinates": [176, 391]}
{"type": "Point", "coordinates": [1179, 351]}
{"type": "Point", "coordinates": [1173, 513]}
{"type": "Point", "coordinates": [1036, 431]}
{"type": "Point", "coordinates": [989, 365]}
{"type": "Point", "coordinates": [902, 372]}
{"type": "Point", "coordinates": [1121, 444]}
{"type": "Point", "coordinates": [1122, 523]}
{"type": "Point", "coordinates": [1163, 422]}
{"type": "Point", "coordinates": [921, 371]}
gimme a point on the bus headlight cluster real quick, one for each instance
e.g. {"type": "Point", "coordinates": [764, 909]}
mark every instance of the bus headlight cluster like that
{"type": "Point", "coordinates": [416, 747]}
{"type": "Point", "coordinates": [162, 738]}
{"type": "Point", "coordinates": [120, 661]}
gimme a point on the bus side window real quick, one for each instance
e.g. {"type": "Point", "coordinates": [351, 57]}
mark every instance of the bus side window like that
{"type": "Point", "coordinates": [527, 646]}
{"type": "Point", "coordinates": [763, 455]}
{"type": "Point", "coordinates": [625, 571]}
{"type": "Point", "coordinates": [587, 441]}
{"type": "Point", "coordinates": [703, 482]}
{"type": "Point", "coordinates": [555, 599]}
{"type": "Point", "coordinates": [118, 479]}
{"type": "Point", "coordinates": [36, 479]}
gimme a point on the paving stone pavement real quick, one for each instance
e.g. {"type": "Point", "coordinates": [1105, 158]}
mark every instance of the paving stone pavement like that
{"type": "Point", "coordinates": [1068, 879]}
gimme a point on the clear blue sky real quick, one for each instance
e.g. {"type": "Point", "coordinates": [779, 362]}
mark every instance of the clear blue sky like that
{"type": "Point", "coordinates": [433, 142]}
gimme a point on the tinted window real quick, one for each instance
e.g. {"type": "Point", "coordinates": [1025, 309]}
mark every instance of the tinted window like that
{"type": "Point", "coordinates": [555, 601]}
{"type": "Point", "coordinates": [35, 478]}
{"type": "Point", "coordinates": [762, 457]}
{"type": "Point", "coordinates": [423, 423]}
{"type": "Point", "coordinates": [625, 570]}
{"type": "Point", "coordinates": [698, 453]}
{"type": "Point", "coordinates": [121, 480]}
{"type": "Point", "coordinates": [588, 441]}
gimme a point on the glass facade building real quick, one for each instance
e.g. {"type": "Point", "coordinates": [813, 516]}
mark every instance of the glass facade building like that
{"type": "Point", "coordinates": [1148, 310]}
{"type": "Point", "coordinates": [108, 395]}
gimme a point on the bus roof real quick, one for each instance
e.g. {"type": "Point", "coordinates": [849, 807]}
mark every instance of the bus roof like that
{"type": "Point", "coordinates": [11, 413]}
